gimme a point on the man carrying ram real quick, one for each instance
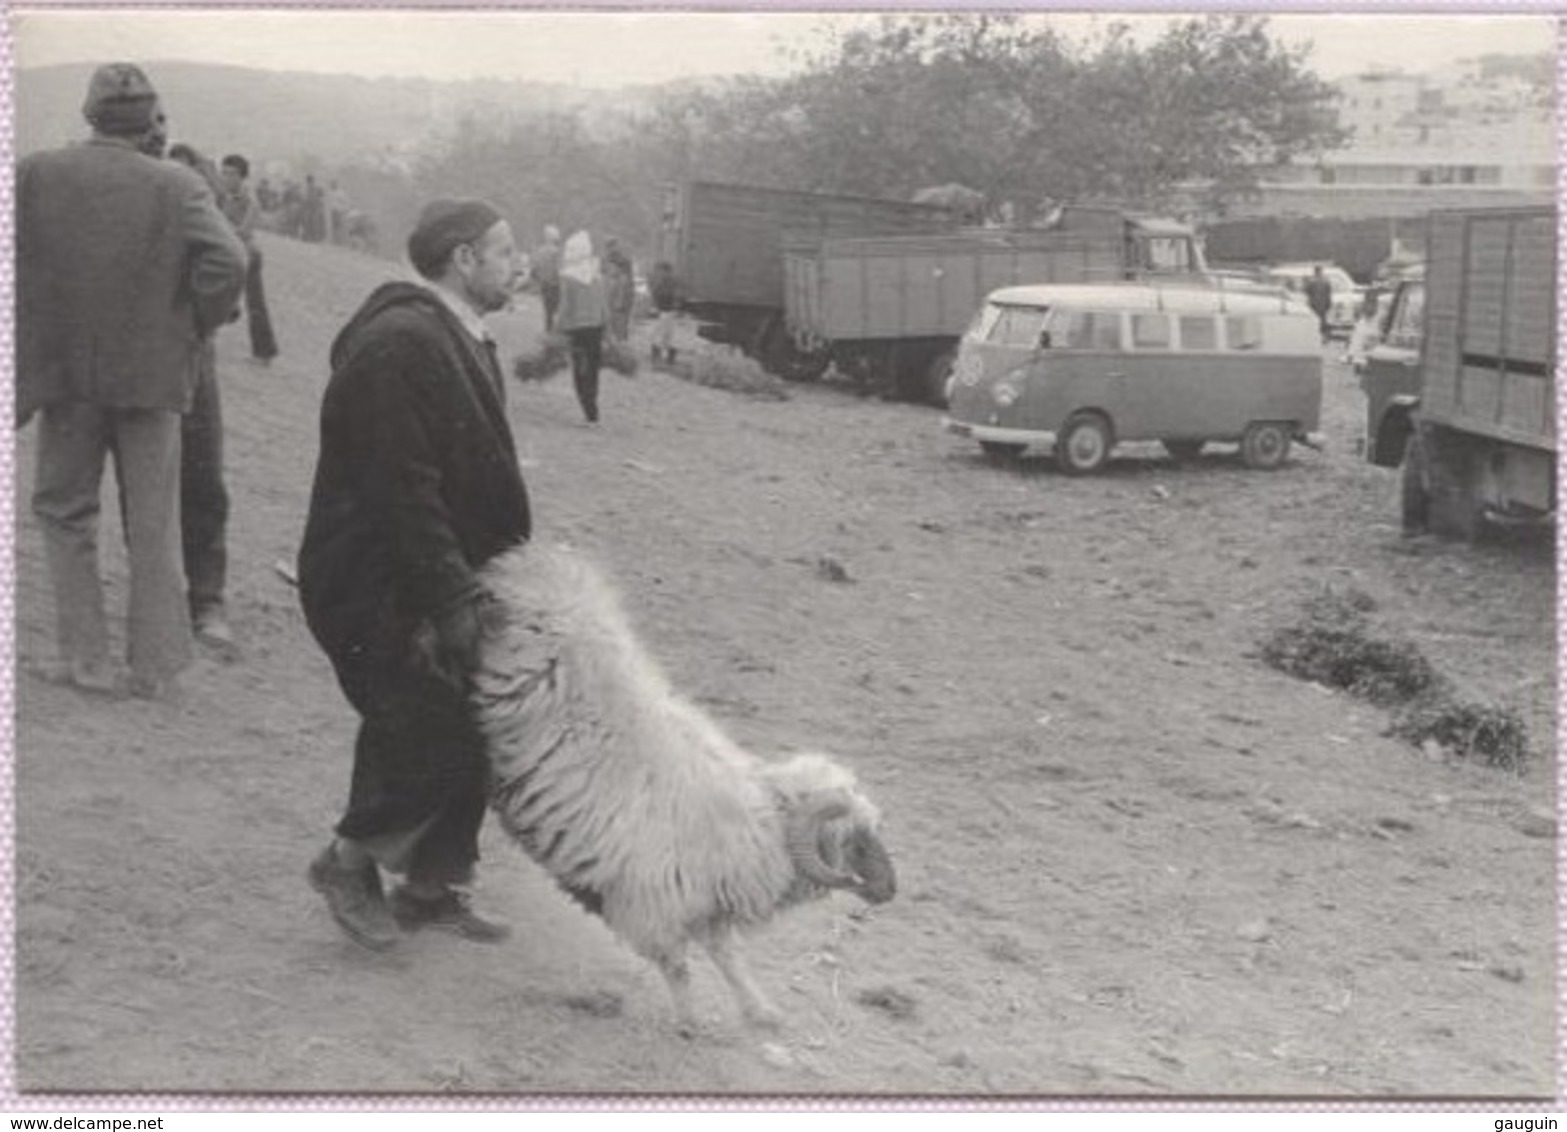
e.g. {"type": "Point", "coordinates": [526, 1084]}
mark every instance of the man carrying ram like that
{"type": "Point", "coordinates": [417, 486]}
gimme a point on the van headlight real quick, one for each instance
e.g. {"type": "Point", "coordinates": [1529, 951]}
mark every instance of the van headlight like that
{"type": "Point", "coordinates": [1006, 392]}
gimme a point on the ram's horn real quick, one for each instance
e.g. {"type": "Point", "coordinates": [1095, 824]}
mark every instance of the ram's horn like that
{"type": "Point", "coordinates": [877, 881]}
{"type": "Point", "coordinates": [802, 837]}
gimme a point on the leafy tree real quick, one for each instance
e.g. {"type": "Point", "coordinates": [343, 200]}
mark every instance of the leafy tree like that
{"type": "Point", "coordinates": [990, 101]}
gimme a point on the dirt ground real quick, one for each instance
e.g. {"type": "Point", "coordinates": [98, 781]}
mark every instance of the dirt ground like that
{"type": "Point", "coordinates": [1133, 860]}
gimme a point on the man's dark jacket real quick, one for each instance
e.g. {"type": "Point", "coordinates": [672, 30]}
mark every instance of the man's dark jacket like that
{"type": "Point", "coordinates": [417, 483]}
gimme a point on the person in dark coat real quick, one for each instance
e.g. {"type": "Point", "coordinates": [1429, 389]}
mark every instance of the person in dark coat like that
{"type": "Point", "coordinates": [416, 487]}
{"type": "Point", "coordinates": [620, 291]}
{"type": "Point", "coordinates": [546, 271]}
{"type": "Point", "coordinates": [1319, 297]}
{"type": "Point", "coordinates": [664, 290]}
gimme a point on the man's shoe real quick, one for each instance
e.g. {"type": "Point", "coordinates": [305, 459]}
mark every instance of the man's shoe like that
{"type": "Point", "coordinates": [96, 678]}
{"type": "Point", "coordinates": [158, 689]}
{"type": "Point", "coordinates": [213, 631]}
{"type": "Point", "coordinates": [447, 912]}
{"type": "Point", "coordinates": [355, 899]}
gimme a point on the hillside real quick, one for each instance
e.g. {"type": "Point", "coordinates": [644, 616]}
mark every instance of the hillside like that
{"type": "Point", "coordinates": [296, 117]}
{"type": "Point", "coordinates": [1133, 860]}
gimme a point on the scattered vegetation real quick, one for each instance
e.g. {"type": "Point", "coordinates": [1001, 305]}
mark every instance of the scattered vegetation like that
{"type": "Point", "coordinates": [731, 370]}
{"type": "Point", "coordinates": [1335, 644]}
{"type": "Point", "coordinates": [620, 357]}
{"type": "Point", "coordinates": [1496, 736]}
{"type": "Point", "coordinates": [548, 357]}
{"type": "Point", "coordinates": [551, 354]}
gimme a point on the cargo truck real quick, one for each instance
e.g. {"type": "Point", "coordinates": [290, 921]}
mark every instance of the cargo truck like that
{"type": "Point", "coordinates": [1460, 393]}
{"type": "Point", "coordinates": [725, 242]}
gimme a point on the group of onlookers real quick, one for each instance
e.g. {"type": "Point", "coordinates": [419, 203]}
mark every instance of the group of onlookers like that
{"type": "Point", "coordinates": [306, 211]}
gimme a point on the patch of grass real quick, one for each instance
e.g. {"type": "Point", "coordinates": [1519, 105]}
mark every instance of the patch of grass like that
{"type": "Point", "coordinates": [1335, 644]}
{"type": "Point", "coordinates": [549, 356]}
{"type": "Point", "coordinates": [620, 357]}
{"type": "Point", "coordinates": [1496, 736]}
{"type": "Point", "coordinates": [731, 370]}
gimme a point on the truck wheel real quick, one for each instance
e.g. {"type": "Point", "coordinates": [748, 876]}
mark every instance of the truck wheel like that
{"type": "Point", "coordinates": [1083, 444]}
{"type": "Point", "coordinates": [1183, 451]}
{"type": "Point", "coordinates": [1265, 445]}
{"type": "Point", "coordinates": [1455, 467]}
{"type": "Point", "coordinates": [936, 375]}
{"type": "Point", "coordinates": [1414, 495]}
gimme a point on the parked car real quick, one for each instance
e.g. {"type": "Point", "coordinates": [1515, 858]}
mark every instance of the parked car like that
{"type": "Point", "coordinates": [1084, 367]}
{"type": "Point", "coordinates": [1347, 294]}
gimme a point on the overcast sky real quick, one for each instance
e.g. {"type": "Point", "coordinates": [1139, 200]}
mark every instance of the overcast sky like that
{"type": "Point", "coordinates": [614, 48]}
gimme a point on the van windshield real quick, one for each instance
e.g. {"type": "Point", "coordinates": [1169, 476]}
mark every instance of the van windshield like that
{"type": "Point", "coordinates": [1012, 326]}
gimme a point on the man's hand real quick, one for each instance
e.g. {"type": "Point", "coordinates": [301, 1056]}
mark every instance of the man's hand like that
{"type": "Point", "coordinates": [459, 633]}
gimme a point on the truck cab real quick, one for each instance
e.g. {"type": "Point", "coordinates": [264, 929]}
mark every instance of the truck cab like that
{"type": "Point", "coordinates": [1390, 377]}
{"type": "Point", "coordinates": [1158, 248]}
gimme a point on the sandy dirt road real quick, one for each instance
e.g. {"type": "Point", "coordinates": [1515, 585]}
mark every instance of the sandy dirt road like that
{"type": "Point", "coordinates": [1133, 859]}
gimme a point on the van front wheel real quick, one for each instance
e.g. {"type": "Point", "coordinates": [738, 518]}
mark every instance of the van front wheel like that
{"type": "Point", "coordinates": [1084, 444]}
{"type": "Point", "coordinates": [1265, 445]}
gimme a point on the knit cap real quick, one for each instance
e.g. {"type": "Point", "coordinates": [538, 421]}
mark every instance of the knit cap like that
{"type": "Point", "coordinates": [445, 225]}
{"type": "Point", "coordinates": [120, 100]}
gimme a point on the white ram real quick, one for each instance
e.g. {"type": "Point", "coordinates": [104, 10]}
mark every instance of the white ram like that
{"type": "Point", "coordinates": [634, 800]}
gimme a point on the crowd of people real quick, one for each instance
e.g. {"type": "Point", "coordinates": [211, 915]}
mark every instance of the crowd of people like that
{"type": "Point", "coordinates": [307, 211]}
{"type": "Point", "coordinates": [417, 482]}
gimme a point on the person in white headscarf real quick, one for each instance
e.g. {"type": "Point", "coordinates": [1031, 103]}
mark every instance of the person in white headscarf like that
{"type": "Point", "coordinates": [581, 318]}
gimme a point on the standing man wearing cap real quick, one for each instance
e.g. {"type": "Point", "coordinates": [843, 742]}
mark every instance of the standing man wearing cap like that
{"type": "Point", "coordinates": [124, 266]}
{"type": "Point", "coordinates": [416, 487]}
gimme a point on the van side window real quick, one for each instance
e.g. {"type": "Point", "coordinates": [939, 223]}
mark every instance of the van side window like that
{"type": "Point", "coordinates": [1199, 332]}
{"type": "Point", "coordinates": [1105, 330]}
{"type": "Point", "coordinates": [1086, 330]}
{"type": "Point", "coordinates": [1243, 332]}
{"type": "Point", "coordinates": [1150, 330]}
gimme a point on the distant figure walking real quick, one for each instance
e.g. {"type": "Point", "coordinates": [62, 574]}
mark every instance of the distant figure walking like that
{"type": "Point", "coordinates": [124, 266]}
{"type": "Point", "coordinates": [581, 318]}
{"type": "Point", "coordinates": [1319, 297]}
{"type": "Point", "coordinates": [240, 206]}
{"type": "Point", "coordinates": [620, 291]}
{"type": "Point", "coordinates": [664, 290]}
{"type": "Point", "coordinates": [546, 272]}
{"type": "Point", "coordinates": [315, 211]}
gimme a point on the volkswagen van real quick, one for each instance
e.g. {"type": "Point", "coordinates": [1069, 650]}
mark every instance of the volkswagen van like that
{"type": "Point", "coordinates": [1085, 367]}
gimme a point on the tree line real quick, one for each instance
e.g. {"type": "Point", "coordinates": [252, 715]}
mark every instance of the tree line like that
{"type": "Point", "coordinates": [989, 101]}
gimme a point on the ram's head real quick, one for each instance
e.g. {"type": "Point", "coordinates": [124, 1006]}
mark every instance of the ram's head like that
{"type": "Point", "coordinates": [831, 830]}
